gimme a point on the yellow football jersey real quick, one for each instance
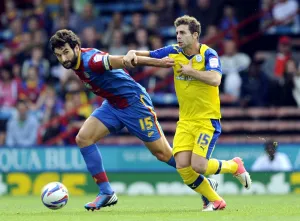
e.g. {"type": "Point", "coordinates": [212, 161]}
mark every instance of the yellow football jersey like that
{"type": "Point", "coordinates": [197, 100]}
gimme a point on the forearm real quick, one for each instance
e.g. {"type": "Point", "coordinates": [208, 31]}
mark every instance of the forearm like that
{"type": "Point", "coordinates": [116, 62]}
{"type": "Point", "coordinates": [212, 78]}
{"type": "Point", "coordinates": [140, 53]}
{"type": "Point", "coordinates": [146, 61]}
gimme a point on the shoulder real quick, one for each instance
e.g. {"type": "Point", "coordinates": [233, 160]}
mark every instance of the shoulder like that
{"type": "Point", "coordinates": [165, 51]}
{"type": "Point", "coordinates": [96, 60]}
{"type": "Point", "coordinates": [88, 53]}
{"type": "Point", "coordinates": [172, 49]}
{"type": "Point", "coordinates": [209, 51]}
{"type": "Point", "coordinates": [212, 60]}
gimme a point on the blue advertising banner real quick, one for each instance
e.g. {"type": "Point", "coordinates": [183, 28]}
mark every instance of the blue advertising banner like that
{"type": "Point", "coordinates": [120, 158]}
{"type": "Point", "coordinates": [116, 158]}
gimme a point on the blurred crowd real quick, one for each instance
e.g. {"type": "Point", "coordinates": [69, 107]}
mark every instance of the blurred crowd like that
{"type": "Point", "coordinates": [35, 88]}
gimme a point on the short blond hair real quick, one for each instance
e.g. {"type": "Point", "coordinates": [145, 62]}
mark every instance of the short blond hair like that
{"type": "Point", "coordinates": [194, 25]}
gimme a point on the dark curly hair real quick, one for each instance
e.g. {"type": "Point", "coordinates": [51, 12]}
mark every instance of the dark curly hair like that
{"type": "Point", "coordinates": [61, 37]}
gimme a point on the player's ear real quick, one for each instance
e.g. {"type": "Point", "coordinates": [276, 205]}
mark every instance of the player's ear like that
{"type": "Point", "coordinates": [195, 35]}
{"type": "Point", "coordinates": [77, 49]}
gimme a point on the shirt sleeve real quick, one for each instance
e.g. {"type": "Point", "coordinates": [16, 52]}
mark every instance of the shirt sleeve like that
{"type": "Point", "coordinates": [99, 63]}
{"type": "Point", "coordinates": [212, 61]}
{"type": "Point", "coordinates": [162, 52]}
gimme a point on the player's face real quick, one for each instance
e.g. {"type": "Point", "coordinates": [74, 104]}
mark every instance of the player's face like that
{"type": "Point", "coordinates": [67, 56]}
{"type": "Point", "coordinates": [184, 37]}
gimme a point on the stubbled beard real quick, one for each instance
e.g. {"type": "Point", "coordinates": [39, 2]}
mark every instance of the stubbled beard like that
{"type": "Point", "coordinates": [70, 64]}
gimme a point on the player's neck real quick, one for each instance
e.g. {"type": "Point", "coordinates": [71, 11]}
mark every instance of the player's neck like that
{"type": "Point", "coordinates": [193, 49]}
{"type": "Point", "coordinates": [78, 61]}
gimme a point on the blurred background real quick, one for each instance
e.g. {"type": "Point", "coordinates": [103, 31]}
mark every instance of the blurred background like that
{"type": "Point", "coordinates": [43, 105]}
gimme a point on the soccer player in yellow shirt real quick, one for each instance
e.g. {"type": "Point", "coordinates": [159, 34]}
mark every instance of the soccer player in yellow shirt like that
{"type": "Point", "coordinates": [197, 75]}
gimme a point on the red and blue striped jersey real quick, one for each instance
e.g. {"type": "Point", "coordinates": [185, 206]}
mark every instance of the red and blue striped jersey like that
{"type": "Point", "coordinates": [117, 86]}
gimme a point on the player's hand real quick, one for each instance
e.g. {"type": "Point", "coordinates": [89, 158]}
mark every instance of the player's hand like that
{"type": "Point", "coordinates": [130, 59]}
{"type": "Point", "coordinates": [186, 69]}
{"type": "Point", "coordinates": [167, 62]}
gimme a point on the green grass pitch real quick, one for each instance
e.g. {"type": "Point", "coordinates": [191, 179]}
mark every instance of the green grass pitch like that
{"type": "Point", "coordinates": [150, 208]}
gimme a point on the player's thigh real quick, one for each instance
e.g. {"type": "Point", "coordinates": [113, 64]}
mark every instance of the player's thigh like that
{"type": "Point", "coordinates": [140, 119]}
{"type": "Point", "coordinates": [102, 122]}
{"type": "Point", "coordinates": [183, 139]}
{"type": "Point", "coordinates": [206, 136]}
{"type": "Point", "coordinates": [108, 116]}
{"type": "Point", "coordinates": [183, 144]}
{"type": "Point", "coordinates": [92, 130]}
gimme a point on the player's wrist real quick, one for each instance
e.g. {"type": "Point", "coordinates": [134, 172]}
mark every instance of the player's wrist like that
{"type": "Point", "coordinates": [192, 72]}
{"type": "Point", "coordinates": [132, 52]}
{"type": "Point", "coordinates": [160, 63]}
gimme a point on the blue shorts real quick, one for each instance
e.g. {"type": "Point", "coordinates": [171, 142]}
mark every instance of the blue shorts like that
{"type": "Point", "coordinates": [139, 118]}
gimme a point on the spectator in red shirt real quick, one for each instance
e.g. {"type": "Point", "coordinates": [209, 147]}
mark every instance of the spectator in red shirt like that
{"type": "Point", "coordinates": [274, 65]}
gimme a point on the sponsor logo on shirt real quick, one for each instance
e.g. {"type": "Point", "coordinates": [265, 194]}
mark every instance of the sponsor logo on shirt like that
{"type": "Point", "coordinates": [97, 58]}
{"type": "Point", "coordinates": [183, 77]}
{"type": "Point", "coordinates": [214, 62]}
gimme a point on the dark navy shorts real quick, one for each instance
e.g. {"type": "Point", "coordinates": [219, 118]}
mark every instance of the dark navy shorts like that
{"type": "Point", "coordinates": [139, 118]}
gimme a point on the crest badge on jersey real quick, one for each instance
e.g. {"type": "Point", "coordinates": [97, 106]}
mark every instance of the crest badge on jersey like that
{"type": "Point", "coordinates": [198, 58]}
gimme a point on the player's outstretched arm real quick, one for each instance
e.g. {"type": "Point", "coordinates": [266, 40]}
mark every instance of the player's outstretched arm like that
{"type": "Point", "coordinates": [131, 56]}
{"type": "Point", "coordinates": [162, 62]}
{"type": "Point", "coordinates": [117, 62]}
{"type": "Point", "coordinates": [130, 59]}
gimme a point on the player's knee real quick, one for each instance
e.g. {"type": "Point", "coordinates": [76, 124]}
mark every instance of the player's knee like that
{"type": "Point", "coordinates": [182, 164]}
{"type": "Point", "coordinates": [161, 156]}
{"type": "Point", "coordinates": [182, 159]}
{"type": "Point", "coordinates": [82, 141]}
{"type": "Point", "coordinates": [199, 167]}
